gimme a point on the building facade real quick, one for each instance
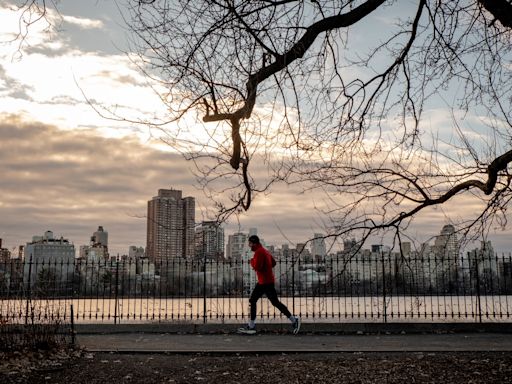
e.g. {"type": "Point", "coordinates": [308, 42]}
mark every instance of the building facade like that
{"type": "Point", "coordinates": [235, 247]}
{"type": "Point", "coordinates": [210, 241]}
{"type": "Point", "coordinates": [5, 254]}
{"type": "Point", "coordinates": [318, 248]}
{"type": "Point", "coordinates": [135, 252]}
{"type": "Point", "coordinates": [48, 260]}
{"type": "Point", "coordinates": [170, 226]}
{"type": "Point", "coordinates": [98, 247]}
{"type": "Point", "coordinates": [100, 238]}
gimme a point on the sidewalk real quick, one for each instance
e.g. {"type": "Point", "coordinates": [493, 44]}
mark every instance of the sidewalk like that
{"type": "Point", "coordinates": [287, 343]}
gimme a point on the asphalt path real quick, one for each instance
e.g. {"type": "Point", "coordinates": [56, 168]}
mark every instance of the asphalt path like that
{"type": "Point", "coordinates": [287, 343]}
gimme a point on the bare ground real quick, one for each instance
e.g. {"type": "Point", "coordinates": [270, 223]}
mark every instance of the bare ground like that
{"type": "Point", "coordinates": [87, 368]}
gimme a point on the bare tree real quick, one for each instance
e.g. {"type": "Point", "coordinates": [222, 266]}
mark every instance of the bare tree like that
{"type": "Point", "coordinates": [296, 86]}
{"type": "Point", "coordinates": [338, 97]}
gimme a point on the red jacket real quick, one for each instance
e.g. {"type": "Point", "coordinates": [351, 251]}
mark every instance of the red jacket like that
{"type": "Point", "coordinates": [261, 262]}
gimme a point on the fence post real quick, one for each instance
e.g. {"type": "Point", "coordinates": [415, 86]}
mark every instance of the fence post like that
{"type": "Point", "coordinates": [72, 326]}
{"type": "Point", "coordinates": [28, 287]}
{"type": "Point", "coordinates": [478, 290]}
{"type": "Point", "coordinates": [116, 288]}
{"type": "Point", "coordinates": [384, 305]}
{"type": "Point", "coordinates": [293, 285]}
{"type": "Point", "coordinates": [204, 285]}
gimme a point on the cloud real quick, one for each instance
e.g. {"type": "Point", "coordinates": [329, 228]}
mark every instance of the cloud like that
{"type": "Point", "coordinates": [50, 91]}
{"type": "Point", "coordinates": [10, 87]}
{"type": "Point", "coordinates": [72, 181]}
{"type": "Point", "coordinates": [83, 22]}
{"type": "Point", "coordinates": [28, 21]}
{"type": "Point", "coordinates": [121, 75]}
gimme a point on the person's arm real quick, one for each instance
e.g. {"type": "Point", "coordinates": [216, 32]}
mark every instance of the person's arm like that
{"type": "Point", "coordinates": [258, 261]}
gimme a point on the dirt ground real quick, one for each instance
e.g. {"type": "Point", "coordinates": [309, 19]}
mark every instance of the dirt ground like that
{"type": "Point", "coordinates": [88, 368]}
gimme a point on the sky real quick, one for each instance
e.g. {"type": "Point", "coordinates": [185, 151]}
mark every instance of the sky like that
{"type": "Point", "coordinates": [65, 168]}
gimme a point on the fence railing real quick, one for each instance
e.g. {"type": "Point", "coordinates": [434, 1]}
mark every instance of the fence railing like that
{"type": "Point", "coordinates": [369, 288]}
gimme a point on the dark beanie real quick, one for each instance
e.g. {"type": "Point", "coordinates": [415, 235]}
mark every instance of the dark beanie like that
{"type": "Point", "coordinates": [254, 239]}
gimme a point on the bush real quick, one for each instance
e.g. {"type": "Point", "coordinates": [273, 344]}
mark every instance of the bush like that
{"type": "Point", "coordinates": [44, 334]}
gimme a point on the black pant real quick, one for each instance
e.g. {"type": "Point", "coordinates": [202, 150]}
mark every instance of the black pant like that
{"type": "Point", "coordinates": [269, 290]}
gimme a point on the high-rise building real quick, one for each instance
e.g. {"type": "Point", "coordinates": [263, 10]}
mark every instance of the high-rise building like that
{"type": "Point", "coordinates": [249, 276]}
{"type": "Point", "coordinates": [318, 248]}
{"type": "Point", "coordinates": [98, 247]}
{"type": "Point", "coordinates": [236, 244]}
{"type": "Point", "coordinates": [48, 258]}
{"type": "Point", "coordinates": [405, 248]}
{"type": "Point", "coordinates": [170, 226]}
{"type": "Point", "coordinates": [285, 251]}
{"type": "Point", "coordinates": [100, 237]}
{"type": "Point", "coordinates": [5, 255]}
{"type": "Point", "coordinates": [446, 244]}
{"type": "Point", "coordinates": [446, 259]}
{"type": "Point", "coordinates": [189, 222]}
{"type": "Point", "coordinates": [350, 247]}
{"type": "Point", "coordinates": [135, 252]}
{"type": "Point", "coordinates": [210, 241]}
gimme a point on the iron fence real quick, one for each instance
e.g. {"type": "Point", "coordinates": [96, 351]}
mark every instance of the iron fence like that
{"type": "Point", "coordinates": [343, 288]}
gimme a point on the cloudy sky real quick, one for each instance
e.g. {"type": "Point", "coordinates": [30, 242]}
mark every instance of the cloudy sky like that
{"type": "Point", "coordinates": [65, 168]}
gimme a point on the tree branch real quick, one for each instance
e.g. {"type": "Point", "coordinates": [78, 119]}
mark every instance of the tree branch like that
{"type": "Point", "coordinates": [497, 165]}
{"type": "Point", "coordinates": [500, 9]}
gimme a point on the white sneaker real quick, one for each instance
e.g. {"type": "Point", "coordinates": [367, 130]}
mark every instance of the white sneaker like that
{"type": "Point", "coordinates": [247, 330]}
{"type": "Point", "coordinates": [296, 325]}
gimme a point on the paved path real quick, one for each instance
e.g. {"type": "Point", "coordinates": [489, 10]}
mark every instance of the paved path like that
{"type": "Point", "coordinates": [287, 343]}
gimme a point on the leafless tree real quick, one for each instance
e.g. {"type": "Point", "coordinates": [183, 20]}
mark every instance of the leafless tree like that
{"type": "Point", "coordinates": [338, 97]}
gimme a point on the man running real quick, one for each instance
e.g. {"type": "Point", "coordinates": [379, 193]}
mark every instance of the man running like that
{"type": "Point", "coordinates": [263, 263]}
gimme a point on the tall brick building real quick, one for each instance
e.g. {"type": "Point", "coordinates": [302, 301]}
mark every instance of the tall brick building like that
{"type": "Point", "coordinates": [170, 226]}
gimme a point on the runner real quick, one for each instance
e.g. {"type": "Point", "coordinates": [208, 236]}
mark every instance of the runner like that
{"type": "Point", "coordinates": [263, 263]}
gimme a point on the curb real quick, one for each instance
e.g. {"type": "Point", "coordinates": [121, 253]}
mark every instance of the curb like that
{"type": "Point", "coordinates": [308, 328]}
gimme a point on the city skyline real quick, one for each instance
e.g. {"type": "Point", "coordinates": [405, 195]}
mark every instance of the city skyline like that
{"type": "Point", "coordinates": [315, 244]}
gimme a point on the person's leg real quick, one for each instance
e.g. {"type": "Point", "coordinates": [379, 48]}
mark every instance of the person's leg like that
{"type": "Point", "coordinates": [270, 291]}
{"type": "Point", "coordinates": [250, 328]}
{"type": "Point", "coordinates": [257, 292]}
